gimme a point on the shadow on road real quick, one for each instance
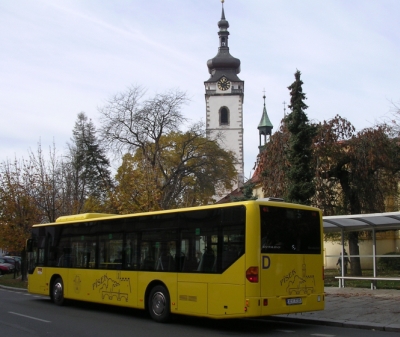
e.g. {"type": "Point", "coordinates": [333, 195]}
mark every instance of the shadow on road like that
{"type": "Point", "coordinates": [223, 326]}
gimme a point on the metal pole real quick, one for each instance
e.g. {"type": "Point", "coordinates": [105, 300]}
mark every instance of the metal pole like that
{"type": "Point", "coordinates": [342, 257]}
{"type": "Point", "coordinates": [373, 285]}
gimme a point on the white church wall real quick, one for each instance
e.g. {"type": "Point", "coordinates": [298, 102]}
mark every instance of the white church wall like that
{"type": "Point", "coordinates": [235, 112]}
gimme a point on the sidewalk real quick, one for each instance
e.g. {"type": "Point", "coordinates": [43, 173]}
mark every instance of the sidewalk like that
{"type": "Point", "coordinates": [355, 308]}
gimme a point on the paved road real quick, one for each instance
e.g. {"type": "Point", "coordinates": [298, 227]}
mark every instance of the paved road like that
{"type": "Point", "coordinates": [23, 314]}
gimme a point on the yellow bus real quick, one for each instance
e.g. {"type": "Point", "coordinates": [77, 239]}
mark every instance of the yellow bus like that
{"type": "Point", "coordinates": [242, 259]}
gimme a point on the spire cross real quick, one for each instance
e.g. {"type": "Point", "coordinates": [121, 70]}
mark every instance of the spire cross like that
{"type": "Point", "coordinates": [284, 108]}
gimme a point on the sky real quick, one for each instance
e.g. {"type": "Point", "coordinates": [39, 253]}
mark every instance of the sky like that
{"type": "Point", "coordinates": [59, 58]}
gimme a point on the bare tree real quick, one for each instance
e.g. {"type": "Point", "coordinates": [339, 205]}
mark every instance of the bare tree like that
{"type": "Point", "coordinates": [47, 183]}
{"type": "Point", "coordinates": [185, 166]}
{"type": "Point", "coordinates": [130, 123]}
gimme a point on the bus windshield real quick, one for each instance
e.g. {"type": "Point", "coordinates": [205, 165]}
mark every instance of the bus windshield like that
{"type": "Point", "coordinates": [290, 231]}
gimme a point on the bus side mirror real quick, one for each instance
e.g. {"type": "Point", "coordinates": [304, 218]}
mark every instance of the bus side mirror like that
{"type": "Point", "coordinates": [29, 246]}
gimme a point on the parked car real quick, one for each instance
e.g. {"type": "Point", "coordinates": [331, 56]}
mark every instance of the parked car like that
{"type": "Point", "coordinates": [17, 258]}
{"type": "Point", "coordinates": [8, 265]}
{"type": "Point", "coordinates": [13, 260]}
{"type": "Point", "coordinates": [4, 269]}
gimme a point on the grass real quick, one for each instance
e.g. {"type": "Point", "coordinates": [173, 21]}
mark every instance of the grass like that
{"type": "Point", "coordinates": [330, 280]}
{"type": "Point", "coordinates": [9, 281]}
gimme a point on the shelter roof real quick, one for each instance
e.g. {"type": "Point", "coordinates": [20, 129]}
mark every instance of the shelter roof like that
{"type": "Point", "coordinates": [362, 222]}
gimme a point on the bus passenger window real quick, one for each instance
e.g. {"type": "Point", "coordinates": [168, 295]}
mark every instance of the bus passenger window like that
{"type": "Point", "coordinates": [207, 263]}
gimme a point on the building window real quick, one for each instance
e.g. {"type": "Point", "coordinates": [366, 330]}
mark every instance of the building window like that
{"type": "Point", "coordinates": [224, 116]}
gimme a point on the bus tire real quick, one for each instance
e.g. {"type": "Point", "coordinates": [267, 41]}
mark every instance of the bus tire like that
{"type": "Point", "coordinates": [57, 292]}
{"type": "Point", "coordinates": [159, 304]}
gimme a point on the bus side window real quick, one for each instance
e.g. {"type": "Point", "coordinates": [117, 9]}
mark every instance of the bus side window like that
{"type": "Point", "coordinates": [147, 261]}
{"type": "Point", "coordinates": [66, 258]}
{"type": "Point", "coordinates": [111, 251]}
{"type": "Point", "coordinates": [129, 256]}
{"type": "Point", "coordinates": [207, 263]}
{"type": "Point", "coordinates": [41, 250]}
{"type": "Point", "coordinates": [157, 249]}
{"type": "Point", "coordinates": [233, 244]}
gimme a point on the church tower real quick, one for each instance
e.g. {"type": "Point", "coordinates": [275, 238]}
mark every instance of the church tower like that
{"type": "Point", "coordinates": [264, 128]}
{"type": "Point", "coordinates": [224, 99]}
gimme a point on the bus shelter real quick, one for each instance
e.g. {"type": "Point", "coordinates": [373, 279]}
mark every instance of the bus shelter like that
{"type": "Point", "coordinates": [362, 222]}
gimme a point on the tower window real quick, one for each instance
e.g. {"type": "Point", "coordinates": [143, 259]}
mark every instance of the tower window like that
{"type": "Point", "coordinates": [224, 116]}
{"type": "Point", "coordinates": [223, 42]}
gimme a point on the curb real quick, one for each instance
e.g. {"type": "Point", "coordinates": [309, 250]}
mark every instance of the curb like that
{"type": "Point", "coordinates": [336, 323]}
{"type": "Point", "coordinates": [14, 289]}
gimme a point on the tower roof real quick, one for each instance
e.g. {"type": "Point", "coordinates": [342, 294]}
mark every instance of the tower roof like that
{"type": "Point", "coordinates": [223, 64]}
{"type": "Point", "coordinates": [265, 126]}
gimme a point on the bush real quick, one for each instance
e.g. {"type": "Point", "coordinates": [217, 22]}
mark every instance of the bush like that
{"type": "Point", "coordinates": [390, 263]}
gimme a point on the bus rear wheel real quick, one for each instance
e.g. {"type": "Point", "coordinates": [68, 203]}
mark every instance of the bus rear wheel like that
{"type": "Point", "coordinates": [159, 304]}
{"type": "Point", "coordinates": [57, 291]}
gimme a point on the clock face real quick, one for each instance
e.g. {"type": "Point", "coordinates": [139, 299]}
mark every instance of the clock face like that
{"type": "Point", "coordinates": [224, 84]}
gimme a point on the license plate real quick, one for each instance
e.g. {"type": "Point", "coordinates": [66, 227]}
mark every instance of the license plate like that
{"type": "Point", "coordinates": [293, 301]}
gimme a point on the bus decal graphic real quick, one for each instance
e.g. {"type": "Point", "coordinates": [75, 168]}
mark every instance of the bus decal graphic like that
{"type": "Point", "coordinates": [110, 288]}
{"type": "Point", "coordinates": [77, 284]}
{"type": "Point", "coordinates": [287, 277]}
{"type": "Point", "coordinates": [297, 285]}
{"type": "Point", "coordinates": [266, 263]}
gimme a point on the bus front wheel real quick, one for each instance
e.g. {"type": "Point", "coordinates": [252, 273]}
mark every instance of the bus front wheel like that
{"type": "Point", "coordinates": [159, 304]}
{"type": "Point", "coordinates": [57, 291]}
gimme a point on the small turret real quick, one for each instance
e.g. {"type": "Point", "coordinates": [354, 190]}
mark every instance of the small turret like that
{"type": "Point", "coordinates": [264, 128]}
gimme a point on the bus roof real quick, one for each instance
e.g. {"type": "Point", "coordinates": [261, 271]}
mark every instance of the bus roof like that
{"type": "Point", "coordinates": [84, 217]}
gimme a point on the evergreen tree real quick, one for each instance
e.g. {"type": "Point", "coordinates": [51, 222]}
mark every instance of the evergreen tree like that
{"type": "Point", "coordinates": [300, 173]}
{"type": "Point", "coordinates": [88, 165]}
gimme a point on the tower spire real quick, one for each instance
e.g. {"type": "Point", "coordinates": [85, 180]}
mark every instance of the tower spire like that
{"type": "Point", "coordinates": [265, 127]}
{"type": "Point", "coordinates": [223, 64]}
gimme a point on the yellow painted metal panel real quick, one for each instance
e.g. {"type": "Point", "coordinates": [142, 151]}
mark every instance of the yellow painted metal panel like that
{"type": "Point", "coordinates": [192, 297]}
{"type": "Point", "coordinates": [37, 282]}
{"type": "Point", "coordinates": [253, 246]}
{"type": "Point", "coordinates": [226, 299]}
{"type": "Point", "coordinates": [287, 274]}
